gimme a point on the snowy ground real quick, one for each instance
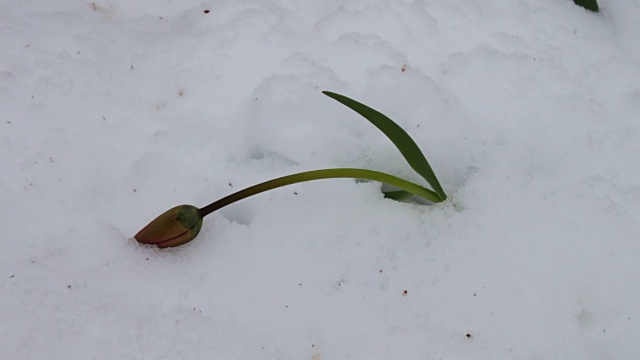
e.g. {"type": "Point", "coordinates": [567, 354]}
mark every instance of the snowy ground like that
{"type": "Point", "coordinates": [112, 112]}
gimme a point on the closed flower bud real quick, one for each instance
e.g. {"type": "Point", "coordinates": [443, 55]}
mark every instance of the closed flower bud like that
{"type": "Point", "coordinates": [174, 227]}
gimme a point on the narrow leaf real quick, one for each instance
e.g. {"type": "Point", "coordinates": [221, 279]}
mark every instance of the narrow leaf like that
{"type": "Point", "coordinates": [398, 136]}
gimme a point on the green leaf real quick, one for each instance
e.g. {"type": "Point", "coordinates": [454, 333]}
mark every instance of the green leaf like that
{"type": "Point", "coordinates": [397, 195]}
{"type": "Point", "coordinates": [588, 4]}
{"type": "Point", "coordinates": [398, 136]}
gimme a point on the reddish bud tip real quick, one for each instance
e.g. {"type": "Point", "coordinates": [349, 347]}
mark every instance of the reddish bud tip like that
{"type": "Point", "coordinates": [175, 227]}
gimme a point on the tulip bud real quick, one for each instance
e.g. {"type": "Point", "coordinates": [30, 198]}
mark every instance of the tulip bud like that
{"type": "Point", "coordinates": [175, 227]}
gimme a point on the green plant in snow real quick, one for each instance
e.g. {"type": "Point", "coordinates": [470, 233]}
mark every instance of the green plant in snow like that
{"type": "Point", "coordinates": [181, 224]}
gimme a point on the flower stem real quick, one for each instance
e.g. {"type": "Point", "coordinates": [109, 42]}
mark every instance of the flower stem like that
{"type": "Point", "coordinates": [319, 175]}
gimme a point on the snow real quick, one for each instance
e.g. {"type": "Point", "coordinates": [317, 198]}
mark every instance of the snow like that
{"type": "Point", "coordinates": [112, 112]}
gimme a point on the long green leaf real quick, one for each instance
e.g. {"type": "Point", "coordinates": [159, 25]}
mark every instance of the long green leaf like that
{"type": "Point", "coordinates": [398, 136]}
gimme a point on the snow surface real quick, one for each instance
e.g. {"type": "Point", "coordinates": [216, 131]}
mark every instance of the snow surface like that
{"type": "Point", "coordinates": [114, 111]}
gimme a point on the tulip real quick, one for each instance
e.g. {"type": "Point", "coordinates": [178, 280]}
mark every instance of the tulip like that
{"type": "Point", "coordinates": [182, 224]}
{"type": "Point", "coordinates": [174, 227]}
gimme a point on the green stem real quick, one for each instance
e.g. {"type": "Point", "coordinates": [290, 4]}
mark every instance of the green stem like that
{"type": "Point", "coordinates": [318, 175]}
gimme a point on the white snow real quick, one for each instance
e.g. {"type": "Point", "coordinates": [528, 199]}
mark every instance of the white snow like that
{"type": "Point", "coordinates": [112, 112]}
